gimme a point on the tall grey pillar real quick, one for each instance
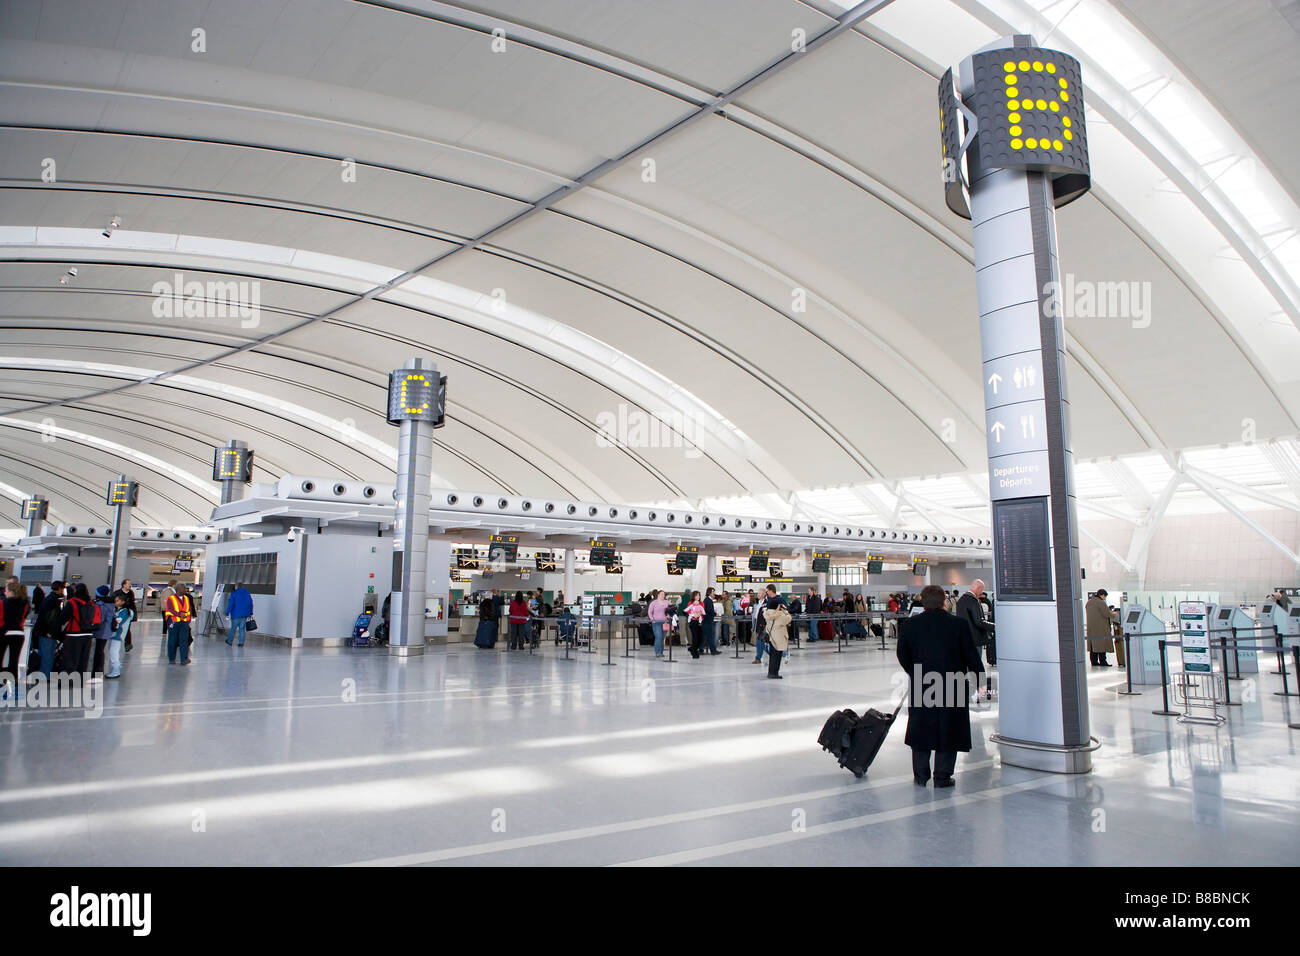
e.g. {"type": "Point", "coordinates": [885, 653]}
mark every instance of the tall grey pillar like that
{"type": "Point", "coordinates": [710, 571]}
{"type": "Point", "coordinates": [122, 495]}
{"type": "Point", "coordinates": [232, 466]}
{"type": "Point", "coordinates": [1025, 153]}
{"type": "Point", "coordinates": [36, 509]}
{"type": "Point", "coordinates": [569, 593]}
{"type": "Point", "coordinates": [416, 400]}
{"type": "Point", "coordinates": [821, 583]}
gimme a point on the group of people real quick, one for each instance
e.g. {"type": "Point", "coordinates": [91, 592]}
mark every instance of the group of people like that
{"type": "Point", "coordinates": [72, 631]}
{"type": "Point", "coordinates": [75, 632]}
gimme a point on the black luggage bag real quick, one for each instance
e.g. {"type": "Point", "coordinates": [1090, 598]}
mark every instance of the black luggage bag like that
{"type": "Point", "coordinates": [855, 740]}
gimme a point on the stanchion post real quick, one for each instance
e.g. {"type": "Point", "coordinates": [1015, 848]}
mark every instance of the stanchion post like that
{"type": "Point", "coordinates": [1286, 687]}
{"type": "Point", "coordinates": [1128, 670]}
{"type": "Point", "coordinates": [1227, 690]}
{"type": "Point", "coordinates": [1295, 654]}
{"type": "Point", "coordinates": [1164, 685]}
{"type": "Point", "coordinates": [735, 640]}
{"type": "Point", "coordinates": [1281, 653]}
{"type": "Point", "coordinates": [609, 644]}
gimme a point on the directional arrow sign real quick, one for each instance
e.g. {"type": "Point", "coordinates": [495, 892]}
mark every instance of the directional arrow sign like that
{"type": "Point", "coordinates": [1020, 373]}
{"type": "Point", "coordinates": [1015, 427]}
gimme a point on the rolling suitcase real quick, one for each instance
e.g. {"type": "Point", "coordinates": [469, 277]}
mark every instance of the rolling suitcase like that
{"type": "Point", "coordinates": [854, 740]}
{"type": "Point", "coordinates": [485, 634]}
{"type": "Point", "coordinates": [835, 732]}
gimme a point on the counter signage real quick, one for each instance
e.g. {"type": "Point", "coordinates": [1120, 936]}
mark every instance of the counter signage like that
{"type": "Point", "coordinates": [1193, 623]}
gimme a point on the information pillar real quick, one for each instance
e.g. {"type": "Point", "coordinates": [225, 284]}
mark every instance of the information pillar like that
{"type": "Point", "coordinates": [1015, 149]}
{"type": "Point", "coordinates": [416, 402]}
{"type": "Point", "coordinates": [123, 494]}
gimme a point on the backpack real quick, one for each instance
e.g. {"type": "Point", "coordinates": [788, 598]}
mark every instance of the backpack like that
{"type": "Point", "coordinates": [98, 619]}
{"type": "Point", "coordinates": [78, 624]}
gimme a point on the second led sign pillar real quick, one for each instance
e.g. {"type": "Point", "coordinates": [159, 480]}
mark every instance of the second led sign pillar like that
{"type": "Point", "coordinates": [416, 403]}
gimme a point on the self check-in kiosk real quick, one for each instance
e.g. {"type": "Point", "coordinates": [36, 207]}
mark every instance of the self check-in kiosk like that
{"type": "Point", "coordinates": [1145, 630]}
{"type": "Point", "coordinates": [1224, 619]}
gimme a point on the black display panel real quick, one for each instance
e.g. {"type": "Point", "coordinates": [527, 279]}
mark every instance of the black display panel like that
{"type": "Point", "coordinates": [672, 567]}
{"type": "Point", "coordinates": [615, 566]}
{"type": "Point", "coordinates": [503, 548]}
{"type": "Point", "coordinates": [728, 567]}
{"type": "Point", "coordinates": [687, 557]}
{"type": "Point", "coordinates": [232, 464]}
{"type": "Point", "coordinates": [757, 559]}
{"type": "Point", "coordinates": [467, 559]}
{"type": "Point", "coordinates": [821, 562]}
{"type": "Point", "coordinates": [544, 560]}
{"type": "Point", "coordinates": [123, 493]}
{"type": "Point", "coordinates": [602, 553]}
{"type": "Point", "coordinates": [398, 556]}
{"type": "Point", "coordinates": [1022, 549]}
{"type": "Point", "coordinates": [256, 571]}
{"type": "Point", "coordinates": [1133, 617]}
{"type": "Point", "coordinates": [416, 395]}
{"type": "Point", "coordinates": [38, 508]}
{"type": "Point", "coordinates": [875, 565]}
{"type": "Point", "coordinates": [920, 565]}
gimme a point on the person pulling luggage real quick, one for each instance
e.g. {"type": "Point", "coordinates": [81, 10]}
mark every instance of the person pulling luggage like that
{"type": "Point", "coordinates": [937, 650]}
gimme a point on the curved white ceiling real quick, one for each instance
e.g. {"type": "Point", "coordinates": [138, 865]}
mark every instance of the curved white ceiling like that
{"type": "Point", "coordinates": [608, 219]}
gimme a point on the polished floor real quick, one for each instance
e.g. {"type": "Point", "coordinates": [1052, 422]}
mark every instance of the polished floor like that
{"type": "Point", "coordinates": [263, 755]}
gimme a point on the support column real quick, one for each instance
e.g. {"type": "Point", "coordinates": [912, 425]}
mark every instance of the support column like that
{"type": "Point", "coordinates": [710, 572]}
{"type": "Point", "coordinates": [821, 583]}
{"type": "Point", "coordinates": [415, 404]}
{"type": "Point", "coordinates": [1025, 121]}
{"type": "Point", "coordinates": [570, 594]}
{"type": "Point", "coordinates": [122, 494]}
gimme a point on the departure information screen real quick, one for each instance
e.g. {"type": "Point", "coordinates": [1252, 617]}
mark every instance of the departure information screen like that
{"type": "Point", "coordinates": [688, 556]}
{"type": "Point", "coordinates": [602, 553]}
{"type": "Point", "coordinates": [920, 565]}
{"type": "Point", "coordinates": [1022, 549]}
{"type": "Point", "coordinates": [821, 562]}
{"type": "Point", "coordinates": [503, 547]}
{"type": "Point", "coordinates": [758, 559]}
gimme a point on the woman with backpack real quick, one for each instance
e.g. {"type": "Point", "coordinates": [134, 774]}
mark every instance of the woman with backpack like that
{"type": "Point", "coordinates": [104, 612]}
{"type": "Point", "coordinates": [16, 610]}
{"type": "Point", "coordinates": [80, 615]}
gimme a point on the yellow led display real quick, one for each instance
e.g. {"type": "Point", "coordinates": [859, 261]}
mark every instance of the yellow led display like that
{"type": "Point", "coordinates": [1027, 117]}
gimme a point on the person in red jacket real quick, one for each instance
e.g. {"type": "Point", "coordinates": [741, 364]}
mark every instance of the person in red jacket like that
{"type": "Point", "coordinates": [518, 621]}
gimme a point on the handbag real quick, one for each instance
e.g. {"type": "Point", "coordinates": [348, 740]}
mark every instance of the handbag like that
{"type": "Point", "coordinates": [250, 624]}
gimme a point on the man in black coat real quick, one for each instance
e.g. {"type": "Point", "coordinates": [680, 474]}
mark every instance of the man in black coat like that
{"type": "Point", "coordinates": [970, 610]}
{"type": "Point", "coordinates": [938, 653]}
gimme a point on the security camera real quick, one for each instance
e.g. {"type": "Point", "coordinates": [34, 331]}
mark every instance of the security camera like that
{"type": "Point", "coordinates": [293, 533]}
